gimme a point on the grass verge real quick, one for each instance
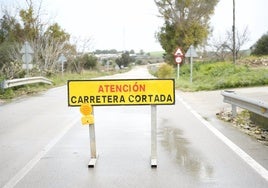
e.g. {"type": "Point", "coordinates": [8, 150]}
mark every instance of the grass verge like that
{"type": "Point", "coordinates": [220, 75]}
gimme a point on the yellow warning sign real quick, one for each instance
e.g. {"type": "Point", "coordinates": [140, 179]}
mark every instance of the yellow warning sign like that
{"type": "Point", "coordinates": [121, 92]}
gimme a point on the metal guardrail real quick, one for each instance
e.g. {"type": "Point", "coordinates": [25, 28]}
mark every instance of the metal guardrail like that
{"type": "Point", "coordinates": [24, 81]}
{"type": "Point", "coordinates": [255, 106]}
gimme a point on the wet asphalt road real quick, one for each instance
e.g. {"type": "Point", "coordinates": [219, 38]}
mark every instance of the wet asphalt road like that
{"type": "Point", "coordinates": [43, 144]}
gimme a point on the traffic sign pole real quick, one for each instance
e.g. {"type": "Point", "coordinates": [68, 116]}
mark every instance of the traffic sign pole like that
{"type": "Point", "coordinates": [93, 152]}
{"type": "Point", "coordinates": [62, 59]}
{"type": "Point", "coordinates": [26, 50]}
{"type": "Point", "coordinates": [178, 71]}
{"type": "Point", "coordinates": [191, 62]}
{"type": "Point", "coordinates": [153, 137]}
{"type": "Point", "coordinates": [88, 119]}
{"type": "Point", "coordinates": [191, 53]}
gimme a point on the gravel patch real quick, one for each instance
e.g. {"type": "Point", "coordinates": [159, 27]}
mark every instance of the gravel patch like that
{"type": "Point", "coordinates": [243, 123]}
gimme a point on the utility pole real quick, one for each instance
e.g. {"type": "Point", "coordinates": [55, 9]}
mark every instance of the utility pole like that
{"type": "Point", "coordinates": [234, 47]}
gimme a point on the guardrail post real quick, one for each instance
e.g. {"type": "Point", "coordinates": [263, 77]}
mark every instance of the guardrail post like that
{"type": "Point", "coordinates": [234, 112]}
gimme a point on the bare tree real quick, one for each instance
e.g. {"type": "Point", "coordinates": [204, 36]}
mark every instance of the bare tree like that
{"type": "Point", "coordinates": [83, 45]}
{"type": "Point", "coordinates": [240, 40]}
{"type": "Point", "coordinates": [219, 48]}
{"type": "Point", "coordinates": [223, 47]}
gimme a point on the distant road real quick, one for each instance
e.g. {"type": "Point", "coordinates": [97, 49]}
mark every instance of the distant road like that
{"type": "Point", "coordinates": [43, 144]}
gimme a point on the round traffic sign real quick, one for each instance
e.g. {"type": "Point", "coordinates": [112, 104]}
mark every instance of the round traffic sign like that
{"type": "Point", "coordinates": [178, 59]}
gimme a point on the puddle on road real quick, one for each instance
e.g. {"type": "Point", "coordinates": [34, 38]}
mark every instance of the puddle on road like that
{"type": "Point", "coordinates": [178, 149]}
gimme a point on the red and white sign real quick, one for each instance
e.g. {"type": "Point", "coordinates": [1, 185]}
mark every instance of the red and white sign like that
{"type": "Point", "coordinates": [178, 55]}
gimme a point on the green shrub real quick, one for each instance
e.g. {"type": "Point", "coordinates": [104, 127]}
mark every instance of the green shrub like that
{"type": "Point", "coordinates": [7, 93]}
{"type": "Point", "coordinates": [165, 71]}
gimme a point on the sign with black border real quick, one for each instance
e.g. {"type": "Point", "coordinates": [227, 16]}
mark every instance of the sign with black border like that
{"type": "Point", "coordinates": [121, 92]}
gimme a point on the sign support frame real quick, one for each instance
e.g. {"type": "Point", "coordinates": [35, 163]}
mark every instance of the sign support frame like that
{"type": "Point", "coordinates": [120, 92]}
{"type": "Point", "coordinates": [93, 150]}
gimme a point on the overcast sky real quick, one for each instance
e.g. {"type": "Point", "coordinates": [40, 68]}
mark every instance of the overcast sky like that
{"type": "Point", "coordinates": [249, 13]}
{"type": "Point", "coordinates": [113, 24]}
{"type": "Point", "coordinates": [132, 24]}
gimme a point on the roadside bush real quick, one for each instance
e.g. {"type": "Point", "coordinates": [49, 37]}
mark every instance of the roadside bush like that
{"type": "Point", "coordinates": [6, 94]}
{"type": "Point", "coordinates": [165, 71]}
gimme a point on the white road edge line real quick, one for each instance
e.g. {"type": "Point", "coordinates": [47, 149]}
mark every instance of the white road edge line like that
{"type": "Point", "coordinates": [24, 171]}
{"type": "Point", "coordinates": [242, 154]}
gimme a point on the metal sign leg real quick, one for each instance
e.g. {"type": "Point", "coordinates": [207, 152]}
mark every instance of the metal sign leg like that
{"type": "Point", "coordinates": [153, 137]}
{"type": "Point", "coordinates": [93, 152]}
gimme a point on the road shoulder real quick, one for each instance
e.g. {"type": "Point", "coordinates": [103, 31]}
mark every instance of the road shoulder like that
{"type": "Point", "coordinates": [208, 103]}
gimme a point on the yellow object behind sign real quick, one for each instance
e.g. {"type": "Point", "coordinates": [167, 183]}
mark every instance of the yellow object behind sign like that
{"type": "Point", "coordinates": [87, 118]}
{"type": "Point", "coordinates": [86, 109]}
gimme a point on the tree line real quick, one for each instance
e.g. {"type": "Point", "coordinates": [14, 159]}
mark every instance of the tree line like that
{"type": "Point", "coordinates": [186, 22]}
{"type": "Point", "coordinates": [48, 42]}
